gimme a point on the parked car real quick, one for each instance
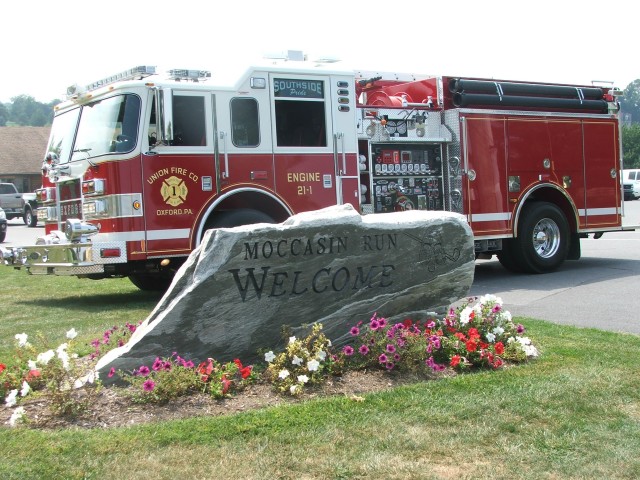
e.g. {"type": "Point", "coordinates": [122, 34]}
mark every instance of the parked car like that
{"type": "Point", "coordinates": [18, 205]}
{"type": "Point", "coordinates": [631, 183]}
{"type": "Point", "coordinates": [3, 225]}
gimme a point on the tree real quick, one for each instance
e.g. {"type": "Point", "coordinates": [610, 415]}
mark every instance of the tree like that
{"type": "Point", "coordinates": [25, 110]}
{"type": "Point", "coordinates": [630, 102]}
{"type": "Point", "coordinates": [4, 115]}
{"type": "Point", "coordinates": [631, 145]}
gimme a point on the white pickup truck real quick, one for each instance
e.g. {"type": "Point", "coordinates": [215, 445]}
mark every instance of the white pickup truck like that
{"type": "Point", "coordinates": [18, 205]}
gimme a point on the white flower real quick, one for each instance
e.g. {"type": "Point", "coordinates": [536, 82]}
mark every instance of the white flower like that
{"type": "Point", "coordinates": [312, 365]}
{"type": "Point", "coordinates": [303, 378]}
{"type": "Point", "coordinates": [292, 340]}
{"type": "Point", "coordinates": [25, 389]}
{"type": "Point", "coordinates": [529, 349]}
{"type": "Point", "coordinates": [32, 365]}
{"type": "Point", "coordinates": [465, 314]}
{"type": "Point", "coordinates": [283, 374]}
{"type": "Point", "coordinates": [296, 360]}
{"type": "Point", "coordinates": [79, 383]}
{"type": "Point", "coordinates": [506, 316]}
{"type": "Point", "coordinates": [489, 298]}
{"type": "Point", "coordinates": [498, 331]}
{"type": "Point", "coordinates": [22, 339]}
{"type": "Point", "coordinates": [322, 355]}
{"type": "Point", "coordinates": [293, 389]}
{"type": "Point", "coordinates": [45, 357]}
{"type": "Point", "coordinates": [491, 337]}
{"type": "Point", "coordinates": [10, 401]}
{"type": "Point", "coordinates": [63, 356]}
{"type": "Point", "coordinates": [18, 415]}
{"type": "Point", "coordinates": [71, 334]}
{"type": "Point", "coordinates": [269, 357]}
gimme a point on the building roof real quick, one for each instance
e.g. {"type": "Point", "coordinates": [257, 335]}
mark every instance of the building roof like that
{"type": "Point", "coordinates": [22, 149]}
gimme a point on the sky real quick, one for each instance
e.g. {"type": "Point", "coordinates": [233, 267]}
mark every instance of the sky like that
{"type": "Point", "coordinates": [51, 45]}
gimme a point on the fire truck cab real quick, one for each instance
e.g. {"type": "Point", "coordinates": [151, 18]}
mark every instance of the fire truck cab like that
{"type": "Point", "coordinates": [140, 165]}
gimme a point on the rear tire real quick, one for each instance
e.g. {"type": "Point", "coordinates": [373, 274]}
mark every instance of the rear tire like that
{"type": "Point", "coordinates": [543, 238]}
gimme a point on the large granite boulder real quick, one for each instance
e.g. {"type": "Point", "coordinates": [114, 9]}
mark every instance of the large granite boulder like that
{"type": "Point", "coordinates": [243, 286]}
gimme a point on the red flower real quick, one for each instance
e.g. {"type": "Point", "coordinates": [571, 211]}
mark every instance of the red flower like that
{"type": "Point", "coordinates": [499, 348]}
{"type": "Point", "coordinates": [225, 384]}
{"type": "Point", "coordinates": [238, 363]}
{"type": "Point", "coordinates": [32, 374]}
{"type": "Point", "coordinates": [473, 333]}
{"type": "Point", "coordinates": [497, 363]}
{"type": "Point", "coordinates": [245, 372]}
{"type": "Point", "coordinates": [408, 323]}
{"type": "Point", "coordinates": [205, 369]}
{"type": "Point", "coordinates": [2, 367]}
{"type": "Point", "coordinates": [460, 336]}
{"type": "Point", "coordinates": [455, 360]}
{"type": "Point", "coordinates": [484, 346]}
{"type": "Point", "coordinates": [471, 346]}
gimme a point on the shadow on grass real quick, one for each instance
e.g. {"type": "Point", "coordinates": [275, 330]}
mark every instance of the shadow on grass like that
{"type": "Point", "coordinates": [112, 301]}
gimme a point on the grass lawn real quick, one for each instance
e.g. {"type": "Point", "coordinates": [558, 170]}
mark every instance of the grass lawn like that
{"type": "Point", "coordinates": [572, 414]}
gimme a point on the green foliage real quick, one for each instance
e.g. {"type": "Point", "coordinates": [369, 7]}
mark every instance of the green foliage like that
{"type": "Point", "coordinates": [24, 110]}
{"type": "Point", "coordinates": [630, 102]}
{"type": "Point", "coordinates": [69, 385]}
{"type": "Point", "coordinates": [4, 115]}
{"type": "Point", "coordinates": [631, 145]}
{"type": "Point", "coordinates": [174, 377]}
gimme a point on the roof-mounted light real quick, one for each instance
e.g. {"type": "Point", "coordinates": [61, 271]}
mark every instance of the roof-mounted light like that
{"type": "Point", "coordinates": [139, 72]}
{"type": "Point", "coordinates": [189, 75]}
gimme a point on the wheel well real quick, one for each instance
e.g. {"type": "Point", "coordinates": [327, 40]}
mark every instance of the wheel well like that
{"type": "Point", "coordinates": [555, 196]}
{"type": "Point", "coordinates": [246, 200]}
{"type": "Point", "coordinates": [255, 201]}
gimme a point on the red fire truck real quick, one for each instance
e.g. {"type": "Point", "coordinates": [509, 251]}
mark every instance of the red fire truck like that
{"type": "Point", "coordinates": [139, 165]}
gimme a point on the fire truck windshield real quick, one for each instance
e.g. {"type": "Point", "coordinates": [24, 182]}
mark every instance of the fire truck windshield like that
{"type": "Point", "coordinates": [104, 127]}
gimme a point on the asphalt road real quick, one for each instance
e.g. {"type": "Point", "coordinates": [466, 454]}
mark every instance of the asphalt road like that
{"type": "Point", "coordinates": [601, 290]}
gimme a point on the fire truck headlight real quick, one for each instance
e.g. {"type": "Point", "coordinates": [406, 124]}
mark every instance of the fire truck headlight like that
{"type": "Point", "coordinates": [75, 229]}
{"type": "Point", "coordinates": [95, 208]}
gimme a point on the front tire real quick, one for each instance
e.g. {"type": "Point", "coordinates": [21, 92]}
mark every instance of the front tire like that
{"type": "Point", "coordinates": [151, 283]}
{"type": "Point", "coordinates": [29, 219]}
{"type": "Point", "coordinates": [542, 244]}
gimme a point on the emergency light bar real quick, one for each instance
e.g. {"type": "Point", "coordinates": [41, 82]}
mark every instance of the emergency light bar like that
{"type": "Point", "coordinates": [130, 74]}
{"type": "Point", "coordinates": [184, 74]}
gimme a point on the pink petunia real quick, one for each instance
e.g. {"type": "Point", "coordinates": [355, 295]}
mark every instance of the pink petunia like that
{"type": "Point", "coordinates": [149, 385]}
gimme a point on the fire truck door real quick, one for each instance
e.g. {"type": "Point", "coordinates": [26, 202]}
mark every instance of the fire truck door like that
{"type": "Point", "coordinates": [602, 185]}
{"type": "Point", "coordinates": [178, 173]}
{"type": "Point", "coordinates": [308, 144]}
{"type": "Point", "coordinates": [484, 160]}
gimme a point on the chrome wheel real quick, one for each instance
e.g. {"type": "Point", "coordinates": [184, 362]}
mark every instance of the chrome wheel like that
{"type": "Point", "coordinates": [546, 238]}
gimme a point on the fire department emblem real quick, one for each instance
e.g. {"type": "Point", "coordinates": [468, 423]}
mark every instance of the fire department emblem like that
{"type": "Point", "coordinates": [174, 191]}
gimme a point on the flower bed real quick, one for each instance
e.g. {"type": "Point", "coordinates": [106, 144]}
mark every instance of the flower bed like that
{"type": "Point", "coordinates": [478, 334]}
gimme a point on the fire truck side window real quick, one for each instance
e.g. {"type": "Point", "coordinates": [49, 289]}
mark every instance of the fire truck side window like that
{"type": "Point", "coordinates": [300, 123]}
{"type": "Point", "coordinates": [245, 126]}
{"type": "Point", "coordinates": [188, 121]}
